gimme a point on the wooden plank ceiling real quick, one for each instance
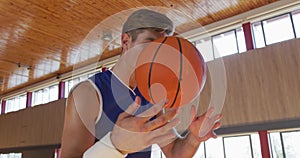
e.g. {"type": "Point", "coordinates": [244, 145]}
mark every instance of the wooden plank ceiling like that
{"type": "Point", "coordinates": [40, 39]}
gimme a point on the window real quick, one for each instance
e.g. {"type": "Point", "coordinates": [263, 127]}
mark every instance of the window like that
{"type": "Point", "coordinates": [241, 40]}
{"type": "Point", "coordinates": [296, 21]}
{"type": "Point", "coordinates": [291, 143]}
{"type": "Point", "coordinates": [69, 85]}
{"type": "Point", "coordinates": [205, 48]}
{"type": "Point", "coordinates": [45, 95]}
{"type": "Point", "coordinates": [285, 144]}
{"type": "Point", "coordinates": [256, 148]}
{"type": "Point", "coordinates": [225, 44]}
{"type": "Point", "coordinates": [74, 81]}
{"type": "Point", "coordinates": [275, 143]}
{"type": "Point", "coordinates": [37, 97]}
{"type": "Point", "coordinates": [238, 147]}
{"type": "Point", "coordinates": [11, 155]}
{"type": "Point", "coordinates": [278, 29]}
{"type": "Point", "coordinates": [214, 148]}
{"type": "Point", "coordinates": [15, 103]}
{"type": "Point", "coordinates": [258, 34]}
{"type": "Point", "coordinates": [53, 90]}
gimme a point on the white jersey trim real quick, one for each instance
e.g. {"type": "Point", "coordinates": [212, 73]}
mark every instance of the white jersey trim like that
{"type": "Point", "coordinates": [100, 98]}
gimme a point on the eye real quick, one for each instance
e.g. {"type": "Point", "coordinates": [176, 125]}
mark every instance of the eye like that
{"type": "Point", "coordinates": [159, 30]}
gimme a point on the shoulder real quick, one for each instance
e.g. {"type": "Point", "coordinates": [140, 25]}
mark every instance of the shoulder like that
{"type": "Point", "coordinates": [85, 98]}
{"type": "Point", "coordinates": [84, 89]}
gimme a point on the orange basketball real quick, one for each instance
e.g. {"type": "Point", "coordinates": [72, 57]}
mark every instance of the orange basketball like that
{"type": "Point", "coordinates": [170, 67]}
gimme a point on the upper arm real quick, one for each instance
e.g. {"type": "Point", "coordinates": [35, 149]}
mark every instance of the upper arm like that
{"type": "Point", "coordinates": [82, 110]}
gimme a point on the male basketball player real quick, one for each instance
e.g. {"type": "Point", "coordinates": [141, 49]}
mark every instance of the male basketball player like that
{"type": "Point", "coordinates": [107, 117]}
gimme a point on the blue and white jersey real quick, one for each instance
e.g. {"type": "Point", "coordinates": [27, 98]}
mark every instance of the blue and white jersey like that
{"type": "Point", "coordinates": [116, 97]}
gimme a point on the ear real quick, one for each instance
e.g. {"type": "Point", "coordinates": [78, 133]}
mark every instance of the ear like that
{"type": "Point", "coordinates": [125, 41]}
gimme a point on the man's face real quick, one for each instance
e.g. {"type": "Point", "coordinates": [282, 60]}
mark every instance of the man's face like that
{"type": "Point", "coordinates": [132, 50]}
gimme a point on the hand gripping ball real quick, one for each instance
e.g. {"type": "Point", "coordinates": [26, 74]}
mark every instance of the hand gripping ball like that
{"type": "Point", "coordinates": [170, 67]}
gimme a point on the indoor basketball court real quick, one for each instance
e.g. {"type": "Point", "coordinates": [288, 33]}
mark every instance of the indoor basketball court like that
{"type": "Point", "coordinates": [239, 59]}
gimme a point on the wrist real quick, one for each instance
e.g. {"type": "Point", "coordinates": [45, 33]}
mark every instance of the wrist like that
{"type": "Point", "coordinates": [193, 140]}
{"type": "Point", "coordinates": [112, 142]}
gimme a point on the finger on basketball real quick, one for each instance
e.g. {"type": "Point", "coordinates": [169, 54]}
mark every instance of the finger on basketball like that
{"type": "Point", "coordinates": [216, 118]}
{"type": "Point", "coordinates": [164, 139]}
{"type": "Point", "coordinates": [132, 108]}
{"type": "Point", "coordinates": [209, 112]}
{"type": "Point", "coordinates": [154, 110]}
{"type": "Point", "coordinates": [165, 128]}
{"type": "Point", "coordinates": [193, 113]}
{"type": "Point", "coordinates": [160, 120]}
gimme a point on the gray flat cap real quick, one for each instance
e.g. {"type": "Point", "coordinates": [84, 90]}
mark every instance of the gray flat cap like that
{"type": "Point", "coordinates": [145, 18]}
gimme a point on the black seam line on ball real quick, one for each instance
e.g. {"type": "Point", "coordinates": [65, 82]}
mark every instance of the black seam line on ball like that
{"type": "Point", "coordinates": [180, 72]}
{"type": "Point", "coordinates": [151, 65]}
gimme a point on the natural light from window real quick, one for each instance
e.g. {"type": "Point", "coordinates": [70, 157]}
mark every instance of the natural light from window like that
{"type": "Point", "coordinates": [278, 29]}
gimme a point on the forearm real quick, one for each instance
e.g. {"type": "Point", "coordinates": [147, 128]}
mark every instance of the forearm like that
{"type": "Point", "coordinates": [182, 147]}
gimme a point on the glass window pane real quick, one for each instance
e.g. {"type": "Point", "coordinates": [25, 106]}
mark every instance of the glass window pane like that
{"type": "Point", "coordinates": [12, 103]}
{"type": "Point", "coordinates": [16, 106]}
{"type": "Point", "coordinates": [275, 143]}
{"type": "Point", "coordinates": [53, 93]}
{"type": "Point", "coordinates": [18, 155]}
{"type": "Point", "coordinates": [278, 29]}
{"type": "Point", "coordinates": [66, 89]}
{"type": "Point", "coordinates": [40, 97]}
{"type": "Point", "coordinates": [4, 156]}
{"type": "Point", "coordinates": [45, 95]}
{"type": "Point", "coordinates": [8, 105]}
{"type": "Point", "coordinates": [258, 34]}
{"type": "Point", "coordinates": [35, 98]}
{"type": "Point", "coordinates": [291, 143]}
{"type": "Point", "coordinates": [241, 40]}
{"type": "Point", "coordinates": [205, 48]}
{"type": "Point", "coordinates": [82, 78]}
{"type": "Point", "coordinates": [237, 147]}
{"type": "Point", "coordinates": [11, 155]}
{"type": "Point", "coordinates": [11, 107]}
{"type": "Point", "coordinates": [200, 153]}
{"type": "Point", "coordinates": [256, 146]}
{"type": "Point", "coordinates": [225, 44]}
{"type": "Point", "coordinates": [296, 20]}
{"type": "Point", "coordinates": [23, 101]}
{"type": "Point", "coordinates": [214, 148]}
